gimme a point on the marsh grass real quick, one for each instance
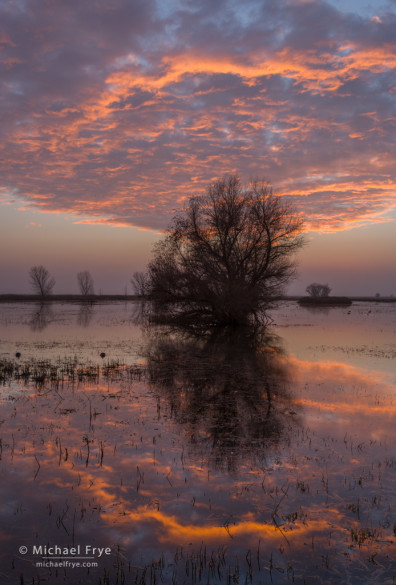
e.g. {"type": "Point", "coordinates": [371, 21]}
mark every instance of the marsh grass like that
{"type": "Point", "coordinates": [45, 373]}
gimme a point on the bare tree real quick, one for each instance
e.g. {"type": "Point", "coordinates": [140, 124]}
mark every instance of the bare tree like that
{"type": "Point", "coordinates": [226, 255]}
{"type": "Point", "coordinates": [85, 283]}
{"type": "Point", "coordinates": [41, 280]}
{"type": "Point", "coordinates": [141, 283]}
{"type": "Point", "coordinates": [318, 290]}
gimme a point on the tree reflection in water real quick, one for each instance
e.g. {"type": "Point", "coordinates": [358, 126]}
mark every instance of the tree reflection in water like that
{"type": "Point", "coordinates": [229, 388]}
{"type": "Point", "coordinates": [85, 314]}
{"type": "Point", "coordinates": [41, 317]}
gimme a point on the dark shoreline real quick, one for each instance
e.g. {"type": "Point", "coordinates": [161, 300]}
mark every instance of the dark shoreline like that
{"type": "Point", "coordinates": [338, 301]}
{"type": "Point", "coordinates": [70, 298]}
{"type": "Point", "coordinates": [324, 301]}
{"type": "Point", "coordinates": [18, 298]}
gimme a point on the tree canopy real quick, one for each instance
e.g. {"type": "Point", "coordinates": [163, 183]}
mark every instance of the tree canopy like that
{"type": "Point", "coordinates": [226, 255]}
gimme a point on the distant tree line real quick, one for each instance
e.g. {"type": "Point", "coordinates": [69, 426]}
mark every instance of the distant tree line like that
{"type": "Point", "coordinates": [43, 283]}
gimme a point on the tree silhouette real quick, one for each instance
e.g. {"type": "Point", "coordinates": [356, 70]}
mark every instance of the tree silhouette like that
{"type": "Point", "coordinates": [226, 256]}
{"type": "Point", "coordinates": [141, 283]}
{"type": "Point", "coordinates": [318, 290]}
{"type": "Point", "coordinates": [85, 283]}
{"type": "Point", "coordinates": [41, 280]}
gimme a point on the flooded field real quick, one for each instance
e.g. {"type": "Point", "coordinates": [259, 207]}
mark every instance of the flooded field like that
{"type": "Point", "coordinates": [140, 455]}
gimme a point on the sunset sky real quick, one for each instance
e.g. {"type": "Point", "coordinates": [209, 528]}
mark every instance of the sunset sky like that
{"type": "Point", "coordinates": [114, 112]}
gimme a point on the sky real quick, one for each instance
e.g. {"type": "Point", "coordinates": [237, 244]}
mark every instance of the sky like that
{"type": "Point", "coordinates": [112, 114]}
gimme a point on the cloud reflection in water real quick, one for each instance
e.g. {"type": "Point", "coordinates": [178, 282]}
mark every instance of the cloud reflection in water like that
{"type": "Point", "coordinates": [216, 442]}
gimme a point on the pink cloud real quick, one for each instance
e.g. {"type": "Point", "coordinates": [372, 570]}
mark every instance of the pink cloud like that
{"type": "Point", "coordinates": [121, 113]}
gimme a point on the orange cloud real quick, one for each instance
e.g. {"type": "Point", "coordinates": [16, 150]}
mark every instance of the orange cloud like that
{"type": "Point", "coordinates": [133, 133]}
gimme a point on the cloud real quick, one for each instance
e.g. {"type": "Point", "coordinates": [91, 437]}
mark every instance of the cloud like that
{"type": "Point", "coordinates": [118, 112]}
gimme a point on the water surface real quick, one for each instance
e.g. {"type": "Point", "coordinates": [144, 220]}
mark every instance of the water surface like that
{"type": "Point", "coordinates": [225, 458]}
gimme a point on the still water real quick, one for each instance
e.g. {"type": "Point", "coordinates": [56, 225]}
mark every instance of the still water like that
{"type": "Point", "coordinates": [234, 457]}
